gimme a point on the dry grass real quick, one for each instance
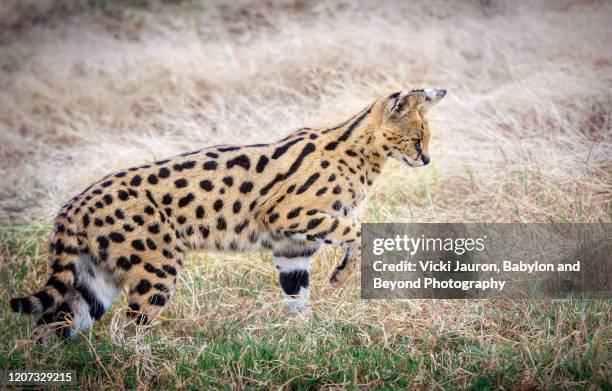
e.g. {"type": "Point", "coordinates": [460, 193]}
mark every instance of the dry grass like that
{"type": "Point", "coordinates": [524, 135]}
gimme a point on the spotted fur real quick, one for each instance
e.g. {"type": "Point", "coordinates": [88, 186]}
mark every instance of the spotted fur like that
{"type": "Point", "coordinates": [133, 228]}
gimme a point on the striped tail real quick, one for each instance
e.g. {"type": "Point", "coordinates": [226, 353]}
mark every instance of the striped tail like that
{"type": "Point", "coordinates": [65, 254]}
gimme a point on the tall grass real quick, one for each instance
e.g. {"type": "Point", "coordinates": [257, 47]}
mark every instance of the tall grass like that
{"type": "Point", "coordinates": [524, 135]}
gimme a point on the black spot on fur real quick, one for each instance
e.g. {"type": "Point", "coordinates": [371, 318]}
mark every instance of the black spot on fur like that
{"type": "Point", "coordinates": [157, 300]}
{"type": "Point", "coordinates": [184, 166]}
{"type": "Point", "coordinates": [152, 179]}
{"type": "Point", "coordinates": [246, 187]}
{"type": "Point", "coordinates": [46, 300]}
{"type": "Point", "coordinates": [314, 223]}
{"type": "Point", "coordinates": [261, 163]}
{"type": "Point", "coordinates": [169, 269]}
{"type": "Point", "coordinates": [123, 263]}
{"type": "Point", "coordinates": [138, 245]}
{"type": "Point", "coordinates": [303, 253]}
{"type": "Point", "coordinates": [180, 183]}
{"type": "Point", "coordinates": [116, 237]}
{"type": "Point", "coordinates": [143, 287]}
{"type": "Point", "coordinates": [102, 241]}
{"type": "Point", "coordinates": [152, 269]}
{"type": "Point", "coordinates": [267, 244]}
{"type": "Point", "coordinates": [228, 180]}
{"type": "Point", "coordinates": [210, 165]}
{"type": "Point", "coordinates": [221, 224]}
{"type": "Point", "coordinates": [167, 199]}
{"type": "Point", "coordinates": [58, 247]}
{"type": "Point", "coordinates": [206, 185]}
{"type": "Point", "coordinates": [237, 206]}
{"type": "Point", "coordinates": [294, 213]}
{"type": "Point", "coordinates": [241, 160]}
{"type": "Point", "coordinates": [218, 205]}
{"type": "Point", "coordinates": [133, 312]}
{"type": "Point", "coordinates": [200, 212]}
{"type": "Point", "coordinates": [309, 182]}
{"type": "Point", "coordinates": [57, 285]}
{"type": "Point", "coordinates": [21, 304]}
{"type": "Point", "coordinates": [135, 259]}
{"type": "Point", "coordinates": [186, 200]}
{"type": "Point", "coordinates": [163, 172]}
{"type": "Point", "coordinates": [161, 287]}
{"type": "Point", "coordinates": [280, 151]}
{"type": "Point", "coordinates": [321, 191]}
{"type": "Point", "coordinates": [204, 231]}
{"type": "Point", "coordinates": [240, 227]}
{"type": "Point", "coordinates": [291, 282]}
{"type": "Point", "coordinates": [151, 244]}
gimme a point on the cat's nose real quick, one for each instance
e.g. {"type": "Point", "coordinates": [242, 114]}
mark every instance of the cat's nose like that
{"type": "Point", "coordinates": [425, 159]}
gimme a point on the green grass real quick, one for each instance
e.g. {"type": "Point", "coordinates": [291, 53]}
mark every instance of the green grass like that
{"type": "Point", "coordinates": [235, 337]}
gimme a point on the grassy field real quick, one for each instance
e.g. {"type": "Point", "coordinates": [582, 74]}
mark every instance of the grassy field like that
{"type": "Point", "coordinates": [524, 135]}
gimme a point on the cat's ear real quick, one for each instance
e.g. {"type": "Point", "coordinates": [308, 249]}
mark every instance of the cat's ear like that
{"type": "Point", "coordinates": [432, 97]}
{"type": "Point", "coordinates": [406, 101]}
